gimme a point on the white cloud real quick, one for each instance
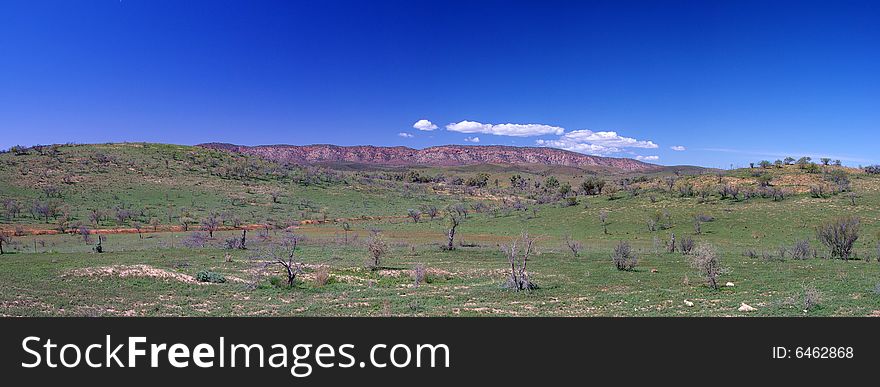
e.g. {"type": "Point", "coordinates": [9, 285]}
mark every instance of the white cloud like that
{"type": "Point", "coordinates": [516, 130]}
{"type": "Point", "coordinates": [596, 143]}
{"type": "Point", "coordinates": [472, 139]}
{"type": "Point", "coordinates": [647, 158]}
{"type": "Point", "coordinates": [405, 135]}
{"type": "Point", "coordinates": [678, 148]}
{"type": "Point", "coordinates": [608, 139]}
{"type": "Point", "coordinates": [424, 125]}
{"type": "Point", "coordinates": [577, 147]}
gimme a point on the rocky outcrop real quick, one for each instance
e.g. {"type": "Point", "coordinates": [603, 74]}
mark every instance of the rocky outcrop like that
{"type": "Point", "coordinates": [445, 155]}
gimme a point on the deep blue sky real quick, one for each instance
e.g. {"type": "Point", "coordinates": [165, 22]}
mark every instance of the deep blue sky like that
{"type": "Point", "coordinates": [732, 82]}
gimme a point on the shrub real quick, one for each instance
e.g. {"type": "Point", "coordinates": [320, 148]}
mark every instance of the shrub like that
{"type": "Point", "coordinates": [839, 235]}
{"type": "Point", "coordinates": [419, 274]}
{"type": "Point", "coordinates": [210, 276]}
{"type": "Point", "coordinates": [801, 249]}
{"type": "Point", "coordinates": [623, 257]}
{"type": "Point", "coordinates": [812, 298]}
{"type": "Point", "coordinates": [705, 260]}
{"type": "Point", "coordinates": [195, 240]}
{"type": "Point", "coordinates": [322, 275]}
{"type": "Point", "coordinates": [686, 245]}
{"type": "Point", "coordinates": [705, 218]}
{"type": "Point", "coordinates": [232, 243]}
{"type": "Point", "coordinates": [518, 253]}
{"type": "Point", "coordinates": [378, 248]}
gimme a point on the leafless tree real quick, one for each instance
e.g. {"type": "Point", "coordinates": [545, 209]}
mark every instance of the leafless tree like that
{"type": "Point", "coordinates": [211, 224]}
{"type": "Point", "coordinates": [670, 182]}
{"type": "Point", "coordinates": [573, 245]}
{"type": "Point", "coordinates": [518, 253]}
{"type": "Point", "coordinates": [452, 222]}
{"type": "Point", "coordinates": [137, 226]}
{"type": "Point", "coordinates": [85, 233]}
{"type": "Point", "coordinates": [685, 245]}
{"type": "Point", "coordinates": [431, 211]}
{"type": "Point", "coordinates": [378, 248]}
{"type": "Point", "coordinates": [346, 227]}
{"type": "Point", "coordinates": [284, 254]}
{"type": "Point", "coordinates": [603, 217]}
{"type": "Point", "coordinates": [12, 208]}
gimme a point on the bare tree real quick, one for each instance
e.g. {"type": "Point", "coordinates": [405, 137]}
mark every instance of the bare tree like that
{"type": "Point", "coordinates": [839, 235]}
{"type": "Point", "coordinates": [705, 260]}
{"type": "Point", "coordinates": [211, 224]}
{"type": "Point", "coordinates": [573, 245]}
{"type": "Point", "coordinates": [137, 226]}
{"type": "Point", "coordinates": [431, 211]}
{"type": "Point", "coordinates": [346, 227]}
{"type": "Point", "coordinates": [452, 222]}
{"type": "Point", "coordinates": [377, 247]}
{"type": "Point", "coordinates": [670, 182]}
{"type": "Point", "coordinates": [284, 254]}
{"type": "Point", "coordinates": [518, 253]}
{"type": "Point", "coordinates": [85, 233]}
{"type": "Point", "coordinates": [603, 217]}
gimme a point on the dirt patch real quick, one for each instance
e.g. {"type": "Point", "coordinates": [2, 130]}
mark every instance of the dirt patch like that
{"type": "Point", "coordinates": [124, 271]}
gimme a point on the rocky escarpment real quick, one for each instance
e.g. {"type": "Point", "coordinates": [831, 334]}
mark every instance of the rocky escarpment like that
{"type": "Point", "coordinates": [446, 155]}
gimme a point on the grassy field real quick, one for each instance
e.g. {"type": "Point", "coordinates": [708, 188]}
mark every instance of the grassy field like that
{"type": "Point", "coordinates": [164, 188]}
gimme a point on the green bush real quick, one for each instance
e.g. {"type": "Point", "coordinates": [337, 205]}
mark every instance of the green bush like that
{"type": "Point", "coordinates": [210, 276]}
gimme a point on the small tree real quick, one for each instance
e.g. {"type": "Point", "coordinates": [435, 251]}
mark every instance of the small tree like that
{"type": "Point", "coordinates": [431, 211]}
{"type": "Point", "coordinates": [686, 245]}
{"type": "Point", "coordinates": [573, 245]}
{"type": "Point", "coordinates": [705, 260]}
{"type": "Point", "coordinates": [839, 235]}
{"type": "Point", "coordinates": [825, 161]}
{"type": "Point", "coordinates": [452, 222]}
{"type": "Point", "coordinates": [137, 226]}
{"type": "Point", "coordinates": [603, 217]}
{"type": "Point", "coordinates": [346, 227]}
{"type": "Point", "coordinates": [518, 253]}
{"type": "Point", "coordinates": [284, 254]}
{"type": "Point", "coordinates": [211, 224]}
{"type": "Point", "coordinates": [624, 257]}
{"type": "Point", "coordinates": [85, 233]}
{"type": "Point", "coordinates": [378, 248]}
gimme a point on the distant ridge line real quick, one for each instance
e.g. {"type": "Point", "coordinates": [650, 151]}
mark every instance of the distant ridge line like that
{"type": "Point", "coordinates": [443, 155]}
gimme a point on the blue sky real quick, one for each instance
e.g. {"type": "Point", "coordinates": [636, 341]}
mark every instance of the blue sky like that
{"type": "Point", "coordinates": [728, 82]}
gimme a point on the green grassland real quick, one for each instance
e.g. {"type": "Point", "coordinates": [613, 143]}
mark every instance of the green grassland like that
{"type": "Point", "coordinates": [151, 273]}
